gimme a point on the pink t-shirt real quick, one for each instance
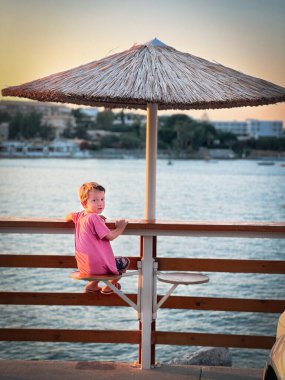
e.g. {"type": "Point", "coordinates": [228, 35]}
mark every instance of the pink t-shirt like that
{"type": "Point", "coordinates": [93, 252]}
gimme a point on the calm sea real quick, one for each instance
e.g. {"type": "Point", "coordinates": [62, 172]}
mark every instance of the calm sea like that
{"type": "Point", "coordinates": [186, 190]}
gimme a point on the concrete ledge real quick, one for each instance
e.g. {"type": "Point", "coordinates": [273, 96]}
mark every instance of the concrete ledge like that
{"type": "Point", "coordinates": [53, 370]}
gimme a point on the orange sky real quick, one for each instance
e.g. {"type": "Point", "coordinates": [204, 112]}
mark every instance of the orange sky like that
{"type": "Point", "coordinates": [39, 38]}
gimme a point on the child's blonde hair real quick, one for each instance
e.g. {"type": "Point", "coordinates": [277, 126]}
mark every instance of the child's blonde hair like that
{"type": "Point", "coordinates": [86, 188]}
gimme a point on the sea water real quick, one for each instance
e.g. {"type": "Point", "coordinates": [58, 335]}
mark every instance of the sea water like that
{"type": "Point", "coordinates": [236, 190]}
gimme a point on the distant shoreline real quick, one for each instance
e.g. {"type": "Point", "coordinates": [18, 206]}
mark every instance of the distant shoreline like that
{"type": "Point", "coordinates": [140, 157]}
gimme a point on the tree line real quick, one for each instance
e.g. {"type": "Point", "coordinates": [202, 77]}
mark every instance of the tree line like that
{"type": "Point", "coordinates": [177, 133]}
{"type": "Point", "coordinates": [27, 126]}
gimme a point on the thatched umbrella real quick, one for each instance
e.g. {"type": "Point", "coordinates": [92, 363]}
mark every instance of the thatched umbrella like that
{"type": "Point", "coordinates": [152, 73]}
{"type": "Point", "coordinates": [152, 76]}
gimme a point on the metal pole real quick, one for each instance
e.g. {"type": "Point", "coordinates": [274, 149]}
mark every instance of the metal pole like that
{"type": "Point", "coordinates": [146, 302]}
{"type": "Point", "coordinates": [147, 262]}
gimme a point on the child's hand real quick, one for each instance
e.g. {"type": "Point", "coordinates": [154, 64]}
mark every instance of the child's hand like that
{"type": "Point", "coordinates": [121, 224]}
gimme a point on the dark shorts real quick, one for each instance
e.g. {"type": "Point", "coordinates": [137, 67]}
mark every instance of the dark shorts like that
{"type": "Point", "coordinates": [122, 264]}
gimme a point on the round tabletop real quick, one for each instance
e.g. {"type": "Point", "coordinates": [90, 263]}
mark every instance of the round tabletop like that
{"type": "Point", "coordinates": [182, 278]}
{"type": "Point", "coordinates": [94, 277]}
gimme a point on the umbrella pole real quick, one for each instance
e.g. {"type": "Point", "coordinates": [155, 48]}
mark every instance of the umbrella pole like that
{"type": "Point", "coordinates": [151, 153]}
{"type": "Point", "coordinates": [147, 261]}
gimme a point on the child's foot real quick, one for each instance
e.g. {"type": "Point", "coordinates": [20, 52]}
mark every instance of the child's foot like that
{"type": "Point", "coordinates": [92, 287]}
{"type": "Point", "coordinates": [108, 290]}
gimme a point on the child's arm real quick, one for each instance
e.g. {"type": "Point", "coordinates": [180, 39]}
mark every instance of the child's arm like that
{"type": "Point", "coordinates": [68, 217]}
{"type": "Point", "coordinates": [120, 226]}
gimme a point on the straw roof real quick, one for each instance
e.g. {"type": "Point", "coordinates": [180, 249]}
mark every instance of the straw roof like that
{"type": "Point", "coordinates": [152, 73]}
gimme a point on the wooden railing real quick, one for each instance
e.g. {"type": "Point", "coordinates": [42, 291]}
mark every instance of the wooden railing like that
{"type": "Point", "coordinates": [147, 228]}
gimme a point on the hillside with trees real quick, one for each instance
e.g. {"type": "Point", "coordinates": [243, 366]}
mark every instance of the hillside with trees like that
{"type": "Point", "coordinates": [178, 135]}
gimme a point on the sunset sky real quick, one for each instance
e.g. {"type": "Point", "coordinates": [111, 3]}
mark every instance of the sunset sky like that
{"type": "Point", "coordinates": [39, 38]}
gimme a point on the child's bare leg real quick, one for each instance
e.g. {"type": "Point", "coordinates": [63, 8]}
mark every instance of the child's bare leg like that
{"type": "Point", "coordinates": [107, 288]}
{"type": "Point", "coordinates": [92, 286]}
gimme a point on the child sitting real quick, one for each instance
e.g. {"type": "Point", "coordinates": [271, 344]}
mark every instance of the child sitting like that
{"type": "Point", "coordinates": [93, 251]}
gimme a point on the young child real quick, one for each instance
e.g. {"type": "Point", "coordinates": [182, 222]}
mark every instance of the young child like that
{"type": "Point", "coordinates": [93, 251]}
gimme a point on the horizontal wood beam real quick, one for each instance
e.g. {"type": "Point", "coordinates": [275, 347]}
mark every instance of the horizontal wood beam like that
{"type": "Point", "coordinates": [37, 261]}
{"type": "Point", "coordinates": [63, 299]}
{"type": "Point", "coordinates": [82, 336]}
{"type": "Point", "coordinates": [213, 340]}
{"type": "Point", "coordinates": [46, 261]}
{"type": "Point", "coordinates": [222, 265]}
{"type": "Point", "coordinates": [224, 304]}
{"type": "Point", "coordinates": [151, 227]}
{"type": "Point", "coordinates": [175, 264]}
{"type": "Point", "coordinates": [133, 337]}
{"type": "Point", "coordinates": [173, 302]}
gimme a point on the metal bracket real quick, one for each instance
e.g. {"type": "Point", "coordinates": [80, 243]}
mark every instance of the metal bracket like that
{"type": "Point", "coordinates": [123, 296]}
{"type": "Point", "coordinates": [175, 279]}
{"type": "Point", "coordinates": [157, 305]}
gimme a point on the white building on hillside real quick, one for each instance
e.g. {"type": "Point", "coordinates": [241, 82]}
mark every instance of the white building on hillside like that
{"type": "Point", "coordinates": [238, 128]}
{"type": "Point", "coordinates": [251, 128]}
{"type": "Point", "coordinates": [261, 128]}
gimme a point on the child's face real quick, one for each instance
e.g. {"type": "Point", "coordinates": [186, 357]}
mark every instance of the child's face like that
{"type": "Point", "coordinates": [95, 202]}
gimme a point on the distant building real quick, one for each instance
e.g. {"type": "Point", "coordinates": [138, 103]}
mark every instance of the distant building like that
{"type": "Point", "coordinates": [91, 112]}
{"type": "Point", "coordinates": [59, 120]}
{"type": "Point", "coordinates": [260, 128]}
{"type": "Point", "coordinates": [14, 106]}
{"type": "Point", "coordinates": [57, 148]}
{"type": "Point", "coordinates": [238, 128]}
{"type": "Point", "coordinates": [129, 118]}
{"type": "Point", "coordinates": [251, 128]}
